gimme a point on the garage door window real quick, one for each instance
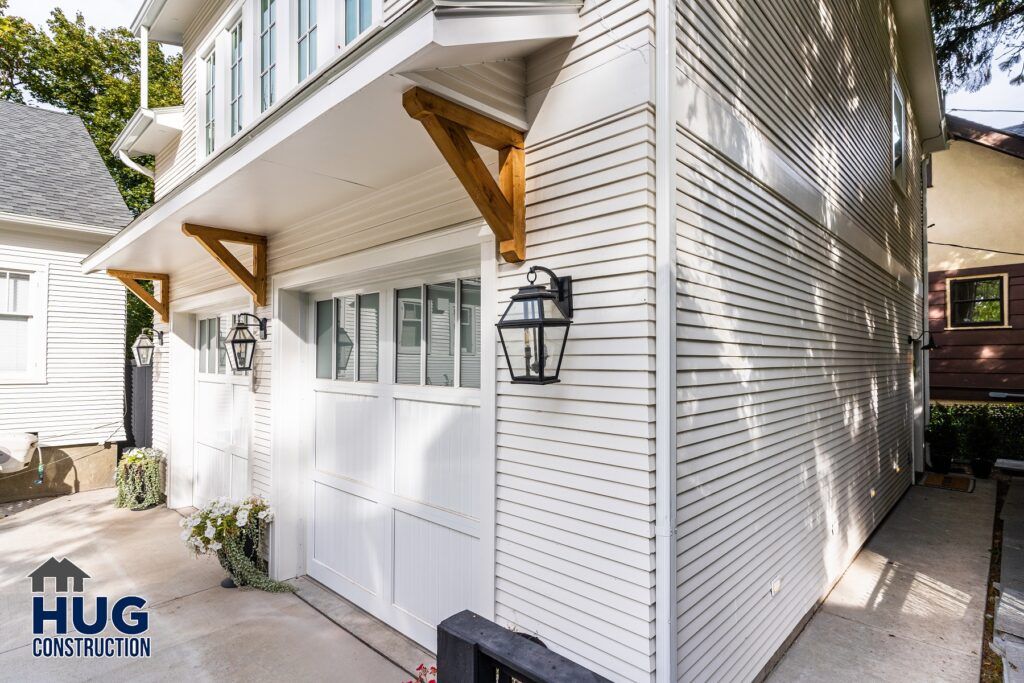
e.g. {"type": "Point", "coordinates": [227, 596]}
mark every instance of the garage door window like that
{"type": "Point", "coordinates": [348, 338]}
{"type": "Point", "coordinates": [442, 347]}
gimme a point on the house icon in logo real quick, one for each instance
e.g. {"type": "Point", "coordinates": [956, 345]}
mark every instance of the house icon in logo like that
{"type": "Point", "coordinates": [62, 573]}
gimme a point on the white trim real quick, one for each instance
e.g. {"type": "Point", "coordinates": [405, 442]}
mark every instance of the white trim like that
{"type": "Point", "coordinates": [87, 230]}
{"type": "Point", "coordinates": [666, 287]}
{"type": "Point", "coordinates": [36, 334]}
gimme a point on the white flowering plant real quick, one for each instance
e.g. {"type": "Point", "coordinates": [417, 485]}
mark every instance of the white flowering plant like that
{"type": "Point", "coordinates": [140, 479]}
{"type": "Point", "coordinates": [235, 533]}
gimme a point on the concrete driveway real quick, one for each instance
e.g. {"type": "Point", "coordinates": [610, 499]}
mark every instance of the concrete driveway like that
{"type": "Point", "coordinates": [199, 631]}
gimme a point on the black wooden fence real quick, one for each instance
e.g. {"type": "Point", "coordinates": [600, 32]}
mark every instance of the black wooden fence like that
{"type": "Point", "coordinates": [138, 397]}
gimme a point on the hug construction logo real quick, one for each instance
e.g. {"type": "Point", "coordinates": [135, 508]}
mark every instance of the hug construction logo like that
{"type": "Point", "coordinates": [78, 622]}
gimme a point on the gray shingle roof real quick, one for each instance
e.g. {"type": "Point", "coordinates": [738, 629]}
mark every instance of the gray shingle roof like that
{"type": "Point", "coordinates": [1016, 130]}
{"type": "Point", "coordinates": [50, 168]}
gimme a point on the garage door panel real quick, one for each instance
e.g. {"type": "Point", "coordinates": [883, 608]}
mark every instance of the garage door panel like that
{"type": "Point", "coordinates": [241, 410]}
{"type": "Point", "coordinates": [214, 413]}
{"type": "Point", "coordinates": [437, 454]}
{"type": "Point", "coordinates": [435, 573]}
{"type": "Point", "coordinates": [349, 432]}
{"type": "Point", "coordinates": [348, 536]}
{"type": "Point", "coordinates": [213, 479]}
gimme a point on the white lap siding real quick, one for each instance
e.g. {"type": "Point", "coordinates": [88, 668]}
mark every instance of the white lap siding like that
{"type": "Point", "coordinates": [797, 266]}
{"type": "Point", "coordinates": [81, 400]}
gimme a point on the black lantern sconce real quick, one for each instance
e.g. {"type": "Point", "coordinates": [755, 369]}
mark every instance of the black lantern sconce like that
{"type": "Point", "coordinates": [241, 343]}
{"type": "Point", "coordinates": [930, 346]}
{"type": "Point", "coordinates": [534, 328]}
{"type": "Point", "coordinates": [144, 347]}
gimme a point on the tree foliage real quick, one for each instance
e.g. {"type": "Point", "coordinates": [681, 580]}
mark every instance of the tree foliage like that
{"type": "Point", "coordinates": [972, 36]}
{"type": "Point", "coordinates": [93, 74]}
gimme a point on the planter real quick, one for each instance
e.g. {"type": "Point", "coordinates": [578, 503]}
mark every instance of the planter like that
{"type": "Point", "coordinates": [140, 479]}
{"type": "Point", "coordinates": [939, 463]}
{"type": "Point", "coordinates": [981, 467]}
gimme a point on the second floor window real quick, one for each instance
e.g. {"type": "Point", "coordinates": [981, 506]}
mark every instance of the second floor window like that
{"type": "Point", "coordinates": [357, 18]}
{"type": "Point", "coordinates": [236, 78]}
{"type": "Point", "coordinates": [268, 53]}
{"type": "Point", "coordinates": [307, 38]}
{"type": "Point", "coordinates": [210, 117]}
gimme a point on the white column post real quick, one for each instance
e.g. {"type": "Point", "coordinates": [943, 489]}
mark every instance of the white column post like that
{"type": "Point", "coordinates": [144, 67]}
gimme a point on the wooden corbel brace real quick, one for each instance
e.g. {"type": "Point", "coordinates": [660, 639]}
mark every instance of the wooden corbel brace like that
{"type": "Point", "coordinates": [130, 279]}
{"type": "Point", "coordinates": [212, 239]}
{"type": "Point", "coordinates": [454, 128]}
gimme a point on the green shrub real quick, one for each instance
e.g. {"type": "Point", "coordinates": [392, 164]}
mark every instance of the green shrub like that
{"type": "Point", "coordinates": [977, 430]}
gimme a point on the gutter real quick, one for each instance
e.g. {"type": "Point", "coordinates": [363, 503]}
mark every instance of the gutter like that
{"type": "Point", "coordinates": [134, 165]}
{"type": "Point", "coordinates": [665, 346]}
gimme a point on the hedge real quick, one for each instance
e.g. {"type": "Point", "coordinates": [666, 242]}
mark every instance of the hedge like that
{"type": "Point", "coordinates": [975, 430]}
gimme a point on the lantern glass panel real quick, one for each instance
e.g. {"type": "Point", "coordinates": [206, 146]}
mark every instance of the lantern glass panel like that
{"type": "Point", "coordinates": [143, 351]}
{"type": "Point", "coordinates": [539, 308]}
{"type": "Point", "coordinates": [241, 346]}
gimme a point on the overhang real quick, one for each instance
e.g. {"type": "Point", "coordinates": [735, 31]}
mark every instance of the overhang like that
{"type": "Point", "coordinates": [340, 136]}
{"type": "Point", "coordinates": [166, 19]}
{"type": "Point", "coordinates": [917, 49]}
{"type": "Point", "coordinates": [149, 130]}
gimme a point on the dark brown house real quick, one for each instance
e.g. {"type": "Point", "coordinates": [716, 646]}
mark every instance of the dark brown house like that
{"type": "Point", "coordinates": [976, 265]}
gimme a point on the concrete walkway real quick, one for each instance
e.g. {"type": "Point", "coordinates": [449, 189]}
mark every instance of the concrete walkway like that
{"type": "Point", "coordinates": [200, 631]}
{"type": "Point", "coordinates": [912, 605]}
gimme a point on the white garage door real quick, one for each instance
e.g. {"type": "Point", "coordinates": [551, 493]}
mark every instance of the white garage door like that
{"type": "Point", "coordinates": [222, 418]}
{"type": "Point", "coordinates": [396, 494]}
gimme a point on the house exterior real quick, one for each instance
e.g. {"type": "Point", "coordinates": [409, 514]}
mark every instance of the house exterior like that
{"type": "Point", "coordinates": [976, 289]}
{"type": "Point", "coordinates": [738, 199]}
{"type": "Point", "coordinates": [61, 331]}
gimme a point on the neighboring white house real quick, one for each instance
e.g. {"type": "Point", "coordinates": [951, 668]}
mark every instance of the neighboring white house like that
{"type": "Point", "coordinates": [61, 331]}
{"type": "Point", "coordinates": [736, 193]}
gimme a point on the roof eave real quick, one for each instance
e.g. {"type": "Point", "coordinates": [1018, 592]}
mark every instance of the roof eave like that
{"type": "Point", "coordinates": [917, 48]}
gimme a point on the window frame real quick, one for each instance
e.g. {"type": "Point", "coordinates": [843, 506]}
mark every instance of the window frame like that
{"type": "Point", "coordinates": [357, 338]}
{"type": "Point", "coordinates": [268, 37]}
{"type": "Point", "coordinates": [898, 162]}
{"type": "Point", "coordinates": [38, 289]}
{"type": "Point", "coordinates": [374, 12]}
{"type": "Point", "coordinates": [304, 36]}
{"type": "Point", "coordinates": [209, 61]}
{"type": "Point", "coordinates": [455, 344]}
{"type": "Point", "coordinates": [236, 77]}
{"type": "Point", "coordinates": [1004, 299]}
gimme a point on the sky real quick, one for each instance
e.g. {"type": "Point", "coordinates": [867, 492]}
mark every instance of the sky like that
{"type": "Point", "coordinates": [109, 13]}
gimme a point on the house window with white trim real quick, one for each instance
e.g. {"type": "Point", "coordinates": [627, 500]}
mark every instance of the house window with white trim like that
{"type": "Point", "coordinates": [358, 14]}
{"type": "Point", "coordinates": [235, 104]}
{"type": "Point", "coordinates": [306, 38]}
{"type": "Point", "coordinates": [268, 53]}
{"type": "Point", "coordinates": [22, 342]}
{"type": "Point", "coordinates": [210, 106]}
{"type": "Point", "coordinates": [899, 134]}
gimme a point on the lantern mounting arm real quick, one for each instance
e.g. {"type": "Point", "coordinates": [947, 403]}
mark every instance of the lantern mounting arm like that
{"type": "Point", "coordinates": [261, 323]}
{"type": "Point", "coordinates": [153, 333]}
{"type": "Point", "coordinates": [561, 286]}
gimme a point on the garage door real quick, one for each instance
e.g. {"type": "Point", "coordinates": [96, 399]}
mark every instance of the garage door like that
{"type": "Point", "coordinates": [395, 494]}
{"type": "Point", "coordinates": [222, 418]}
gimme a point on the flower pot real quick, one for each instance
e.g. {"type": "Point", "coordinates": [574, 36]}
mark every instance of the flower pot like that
{"type": "Point", "coordinates": [981, 468]}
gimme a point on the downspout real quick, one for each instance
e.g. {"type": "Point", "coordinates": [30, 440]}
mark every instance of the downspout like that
{"type": "Point", "coordinates": [134, 165]}
{"type": "Point", "coordinates": [665, 343]}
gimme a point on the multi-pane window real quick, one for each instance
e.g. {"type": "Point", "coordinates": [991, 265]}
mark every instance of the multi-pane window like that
{"type": "Point", "coordinates": [15, 319]}
{"type": "Point", "coordinates": [268, 53]}
{"type": "Point", "coordinates": [977, 302]}
{"type": "Point", "coordinates": [212, 345]}
{"type": "Point", "coordinates": [306, 38]}
{"type": "Point", "coordinates": [348, 338]}
{"type": "Point", "coordinates": [210, 108]}
{"type": "Point", "coordinates": [358, 14]}
{"type": "Point", "coordinates": [437, 330]}
{"type": "Point", "coordinates": [899, 132]}
{"type": "Point", "coordinates": [236, 78]}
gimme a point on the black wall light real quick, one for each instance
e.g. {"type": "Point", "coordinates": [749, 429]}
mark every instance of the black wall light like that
{"type": "Point", "coordinates": [241, 343]}
{"type": "Point", "coordinates": [144, 347]}
{"type": "Point", "coordinates": [930, 346]}
{"type": "Point", "coordinates": [534, 328]}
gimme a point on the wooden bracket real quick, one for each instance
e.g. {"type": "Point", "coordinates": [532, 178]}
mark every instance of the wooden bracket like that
{"type": "Point", "coordinates": [454, 128]}
{"type": "Point", "coordinates": [212, 239]}
{"type": "Point", "coordinates": [130, 279]}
